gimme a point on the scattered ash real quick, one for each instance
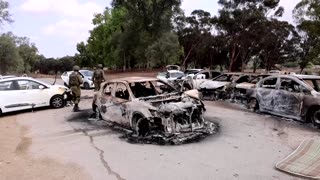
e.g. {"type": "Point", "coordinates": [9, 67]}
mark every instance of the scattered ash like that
{"type": "Point", "coordinates": [156, 137]}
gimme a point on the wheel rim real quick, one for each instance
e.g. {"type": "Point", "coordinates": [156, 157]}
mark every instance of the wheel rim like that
{"type": "Point", "coordinates": [57, 102]}
{"type": "Point", "coordinates": [316, 117]}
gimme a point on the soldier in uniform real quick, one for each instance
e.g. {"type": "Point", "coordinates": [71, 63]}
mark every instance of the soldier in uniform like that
{"type": "Point", "coordinates": [75, 80]}
{"type": "Point", "coordinates": [98, 77]}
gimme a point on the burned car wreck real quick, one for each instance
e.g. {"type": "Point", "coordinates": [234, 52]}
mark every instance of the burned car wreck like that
{"type": "Point", "coordinates": [149, 106]}
{"type": "Point", "coordinates": [291, 96]}
{"type": "Point", "coordinates": [223, 86]}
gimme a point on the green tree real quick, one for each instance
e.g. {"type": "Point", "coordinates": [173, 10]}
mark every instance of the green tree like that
{"type": "Point", "coordinates": [9, 56]}
{"type": "Point", "coordinates": [165, 51]}
{"type": "Point", "coordinates": [28, 52]}
{"type": "Point", "coordinates": [307, 15]}
{"type": "Point", "coordinates": [5, 16]}
{"type": "Point", "coordinates": [240, 21]}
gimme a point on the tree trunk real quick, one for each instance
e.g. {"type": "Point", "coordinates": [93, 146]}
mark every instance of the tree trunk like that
{"type": "Point", "coordinates": [124, 62]}
{"type": "Point", "coordinates": [234, 57]}
{"type": "Point", "coordinates": [191, 49]}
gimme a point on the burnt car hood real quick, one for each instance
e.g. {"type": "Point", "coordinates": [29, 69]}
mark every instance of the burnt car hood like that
{"type": "Point", "coordinates": [245, 85]}
{"type": "Point", "coordinates": [213, 84]}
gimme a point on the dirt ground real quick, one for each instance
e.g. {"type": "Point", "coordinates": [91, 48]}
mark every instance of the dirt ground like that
{"type": "Point", "coordinates": [59, 144]}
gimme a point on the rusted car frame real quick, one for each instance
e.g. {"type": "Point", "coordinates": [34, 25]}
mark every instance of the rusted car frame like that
{"type": "Point", "coordinates": [291, 96]}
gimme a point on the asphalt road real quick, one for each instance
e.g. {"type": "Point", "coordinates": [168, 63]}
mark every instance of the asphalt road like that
{"type": "Point", "coordinates": [60, 144]}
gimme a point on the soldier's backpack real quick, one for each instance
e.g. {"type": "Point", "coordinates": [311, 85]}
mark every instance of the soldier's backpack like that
{"type": "Point", "coordinates": [73, 79]}
{"type": "Point", "coordinates": [98, 75]}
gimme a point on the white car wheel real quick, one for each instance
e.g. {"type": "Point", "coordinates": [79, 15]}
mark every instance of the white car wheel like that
{"type": "Point", "coordinates": [57, 101]}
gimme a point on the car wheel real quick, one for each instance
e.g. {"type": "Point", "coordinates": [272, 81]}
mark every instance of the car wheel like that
{"type": "Point", "coordinates": [142, 126]}
{"type": "Point", "coordinates": [253, 105]}
{"type": "Point", "coordinates": [86, 85]}
{"type": "Point", "coordinates": [315, 117]}
{"type": "Point", "coordinates": [57, 101]}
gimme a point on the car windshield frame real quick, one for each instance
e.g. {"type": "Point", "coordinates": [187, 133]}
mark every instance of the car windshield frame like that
{"type": "Point", "coordinates": [154, 86]}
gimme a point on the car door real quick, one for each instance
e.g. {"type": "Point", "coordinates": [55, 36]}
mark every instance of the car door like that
{"type": "Point", "coordinates": [289, 98]}
{"type": "Point", "coordinates": [12, 98]}
{"type": "Point", "coordinates": [266, 93]}
{"type": "Point", "coordinates": [121, 100]}
{"type": "Point", "coordinates": [65, 77]}
{"type": "Point", "coordinates": [36, 93]}
{"type": "Point", "coordinates": [105, 101]}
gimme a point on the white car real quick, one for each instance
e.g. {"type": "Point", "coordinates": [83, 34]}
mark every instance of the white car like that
{"type": "Point", "coordinates": [170, 75]}
{"type": "Point", "coordinates": [22, 93]}
{"type": "Point", "coordinates": [192, 72]}
{"type": "Point", "coordinates": [86, 76]}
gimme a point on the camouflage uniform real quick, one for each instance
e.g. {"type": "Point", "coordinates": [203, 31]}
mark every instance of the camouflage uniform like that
{"type": "Point", "coordinates": [98, 77]}
{"type": "Point", "coordinates": [75, 80]}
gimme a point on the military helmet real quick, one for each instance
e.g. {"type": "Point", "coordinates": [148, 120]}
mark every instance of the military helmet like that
{"type": "Point", "coordinates": [76, 68]}
{"type": "Point", "coordinates": [100, 66]}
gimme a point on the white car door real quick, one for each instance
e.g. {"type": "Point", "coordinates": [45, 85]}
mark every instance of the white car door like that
{"type": "Point", "coordinates": [65, 77]}
{"type": "Point", "coordinates": [38, 95]}
{"type": "Point", "coordinates": [11, 97]}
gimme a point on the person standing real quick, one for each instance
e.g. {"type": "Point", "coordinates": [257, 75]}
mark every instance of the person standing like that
{"type": "Point", "coordinates": [98, 77]}
{"type": "Point", "coordinates": [75, 80]}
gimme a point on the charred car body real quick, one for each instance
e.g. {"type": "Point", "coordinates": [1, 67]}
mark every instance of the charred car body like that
{"type": "Point", "coordinates": [138, 104]}
{"type": "Point", "coordinates": [223, 86]}
{"type": "Point", "coordinates": [240, 89]}
{"type": "Point", "coordinates": [291, 96]}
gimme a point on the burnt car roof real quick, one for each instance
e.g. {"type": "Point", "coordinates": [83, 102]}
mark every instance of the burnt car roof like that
{"type": "Point", "coordinates": [299, 76]}
{"type": "Point", "coordinates": [134, 79]}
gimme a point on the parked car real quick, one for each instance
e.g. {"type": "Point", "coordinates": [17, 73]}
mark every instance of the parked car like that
{"type": "Point", "coordinates": [240, 90]}
{"type": "Point", "coordinates": [22, 93]}
{"type": "Point", "coordinates": [291, 96]}
{"type": "Point", "coordinates": [192, 72]}
{"type": "Point", "coordinates": [195, 81]}
{"type": "Point", "coordinates": [223, 86]}
{"type": "Point", "coordinates": [138, 104]}
{"type": "Point", "coordinates": [86, 76]}
{"type": "Point", "coordinates": [170, 75]}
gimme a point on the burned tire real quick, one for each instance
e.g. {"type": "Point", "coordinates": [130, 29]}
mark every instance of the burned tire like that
{"type": "Point", "coordinates": [253, 105]}
{"type": "Point", "coordinates": [315, 118]}
{"type": "Point", "coordinates": [142, 126]}
{"type": "Point", "coordinates": [57, 101]}
{"type": "Point", "coordinates": [86, 86]}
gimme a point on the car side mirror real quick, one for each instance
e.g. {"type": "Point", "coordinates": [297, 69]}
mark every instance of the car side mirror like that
{"type": "Point", "coordinates": [41, 87]}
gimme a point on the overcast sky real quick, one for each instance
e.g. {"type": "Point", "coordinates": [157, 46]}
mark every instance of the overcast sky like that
{"type": "Point", "coordinates": [56, 26]}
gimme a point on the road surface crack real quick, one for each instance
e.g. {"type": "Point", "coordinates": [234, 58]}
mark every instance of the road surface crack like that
{"type": "Point", "coordinates": [101, 155]}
